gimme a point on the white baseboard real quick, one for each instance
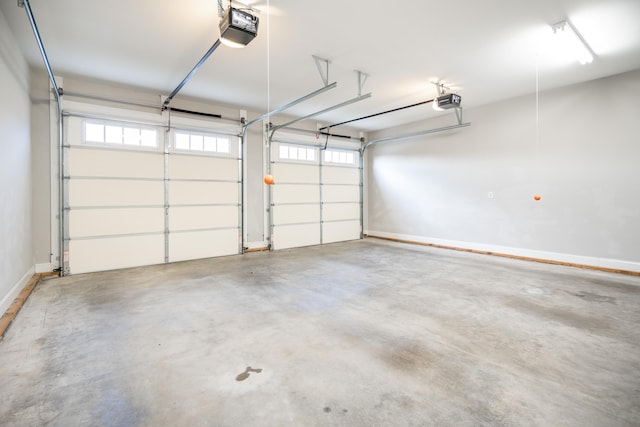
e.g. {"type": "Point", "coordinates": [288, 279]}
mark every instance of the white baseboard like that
{"type": "Point", "coordinates": [604, 263]}
{"type": "Point", "coordinates": [44, 268]}
{"type": "Point", "coordinates": [7, 300]}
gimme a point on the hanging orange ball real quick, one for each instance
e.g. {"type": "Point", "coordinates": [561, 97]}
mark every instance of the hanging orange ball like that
{"type": "Point", "coordinates": [537, 197]}
{"type": "Point", "coordinates": [268, 179]}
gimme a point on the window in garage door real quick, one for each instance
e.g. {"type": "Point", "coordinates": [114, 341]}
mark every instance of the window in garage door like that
{"type": "Point", "coordinates": [134, 196]}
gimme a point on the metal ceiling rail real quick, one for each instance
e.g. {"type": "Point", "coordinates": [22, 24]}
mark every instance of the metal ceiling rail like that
{"type": "Point", "coordinates": [318, 132]}
{"type": "Point", "coordinates": [326, 110]}
{"type": "Point", "coordinates": [58, 93]}
{"type": "Point", "coordinates": [293, 103]}
{"type": "Point", "coordinates": [411, 135]}
{"type": "Point", "coordinates": [191, 73]}
{"type": "Point", "coordinates": [27, 8]}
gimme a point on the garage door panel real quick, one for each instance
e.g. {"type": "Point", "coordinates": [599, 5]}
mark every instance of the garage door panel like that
{"type": "Point", "coordinates": [340, 175]}
{"type": "Point", "coordinates": [193, 193]}
{"type": "Point", "coordinates": [293, 236]}
{"type": "Point", "coordinates": [341, 211]}
{"type": "Point", "coordinates": [291, 172]}
{"type": "Point", "coordinates": [202, 244]}
{"type": "Point", "coordinates": [202, 167]}
{"type": "Point", "coordinates": [114, 163]}
{"type": "Point", "coordinates": [201, 217]}
{"type": "Point", "coordinates": [296, 194]}
{"type": "Point", "coordinates": [340, 231]}
{"type": "Point", "coordinates": [114, 253]}
{"type": "Point", "coordinates": [295, 214]}
{"type": "Point", "coordinates": [104, 192]}
{"type": "Point", "coordinates": [105, 222]}
{"type": "Point", "coordinates": [340, 193]}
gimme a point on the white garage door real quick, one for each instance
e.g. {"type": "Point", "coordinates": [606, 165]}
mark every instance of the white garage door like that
{"type": "Point", "coordinates": [137, 195]}
{"type": "Point", "coordinates": [316, 197]}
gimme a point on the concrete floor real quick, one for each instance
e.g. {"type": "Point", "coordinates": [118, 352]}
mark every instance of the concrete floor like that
{"type": "Point", "coordinates": [355, 334]}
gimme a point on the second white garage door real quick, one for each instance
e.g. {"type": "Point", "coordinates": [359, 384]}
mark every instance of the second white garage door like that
{"type": "Point", "coordinates": [316, 197]}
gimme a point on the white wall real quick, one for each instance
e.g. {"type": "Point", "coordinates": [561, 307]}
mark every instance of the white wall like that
{"type": "Point", "coordinates": [435, 189]}
{"type": "Point", "coordinates": [16, 259]}
{"type": "Point", "coordinates": [41, 169]}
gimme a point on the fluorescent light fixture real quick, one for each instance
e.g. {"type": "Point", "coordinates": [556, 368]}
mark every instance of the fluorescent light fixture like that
{"type": "Point", "coordinates": [238, 28]}
{"type": "Point", "coordinates": [572, 42]}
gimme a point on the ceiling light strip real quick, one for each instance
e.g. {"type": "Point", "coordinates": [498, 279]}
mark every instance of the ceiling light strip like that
{"type": "Point", "coordinates": [571, 39]}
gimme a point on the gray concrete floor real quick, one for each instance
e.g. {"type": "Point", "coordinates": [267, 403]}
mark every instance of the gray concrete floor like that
{"type": "Point", "coordinates": [354, 334]}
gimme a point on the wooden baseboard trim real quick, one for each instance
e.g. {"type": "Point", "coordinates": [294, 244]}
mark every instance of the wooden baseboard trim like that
{"type": "Point", "coordinates": [16, 305]}
{"type": "Point", "coordinates": [249, 250]}
{"type": "Point", "coordinates": [522, 258]}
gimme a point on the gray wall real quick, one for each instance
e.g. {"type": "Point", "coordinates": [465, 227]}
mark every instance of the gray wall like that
{"type": "Point", "coordinates": [585, 166]}
{"type": "Point", "coordinates": [15, 169]}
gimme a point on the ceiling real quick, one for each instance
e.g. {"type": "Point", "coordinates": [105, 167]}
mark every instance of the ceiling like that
{"type": "Point", "coordinates": [484, 50]}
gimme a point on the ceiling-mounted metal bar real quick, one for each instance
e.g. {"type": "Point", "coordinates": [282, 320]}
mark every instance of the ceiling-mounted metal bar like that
{"type": "Point", "coordinates": [319, 132]}
{"type": "Point", "coordinates": [459, 115]}
{"type": "Point", "coordinates": [324, 71]}
{"type": "Point", "coordinates": [362, 79]}
{"type": "Point", "coordinates": [377, 114]}
{"type": "Point", "coordinates": [411, 135]}
{"type": "Point", "coordinates": [326, 110]}
{"type": "Point", "coordinates": [191, 73]}
{"type": "Point", "coordinates": [27, 8]}
{"type": "Point", "coordinates": [440, 88]}
{"type": "Point", "coordinates": [293, 103]}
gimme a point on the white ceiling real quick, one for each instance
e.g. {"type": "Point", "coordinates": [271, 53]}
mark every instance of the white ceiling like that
{"type": "Point", "coordinates": [485, 50]}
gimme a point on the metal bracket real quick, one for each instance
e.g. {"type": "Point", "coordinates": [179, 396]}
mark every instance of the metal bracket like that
{"type": "Point", "coordinates": [362, 79]}
{"type": "Point", "coordinates": [323, 68]}
{"type": "Point", "coordinates": [244, 6]}
{"type": "Point", "coordinates": [459, 115]}
{"type": "Point", "coordinates": [440, 88]}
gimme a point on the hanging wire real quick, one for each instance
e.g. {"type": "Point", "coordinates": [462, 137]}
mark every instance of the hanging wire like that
{"type": "Point", "coordinates": [537, 159]}
{"type": "Point", "coordinates": [269, 60]}
{"type": "Point", "coordinates": [537, 103]}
